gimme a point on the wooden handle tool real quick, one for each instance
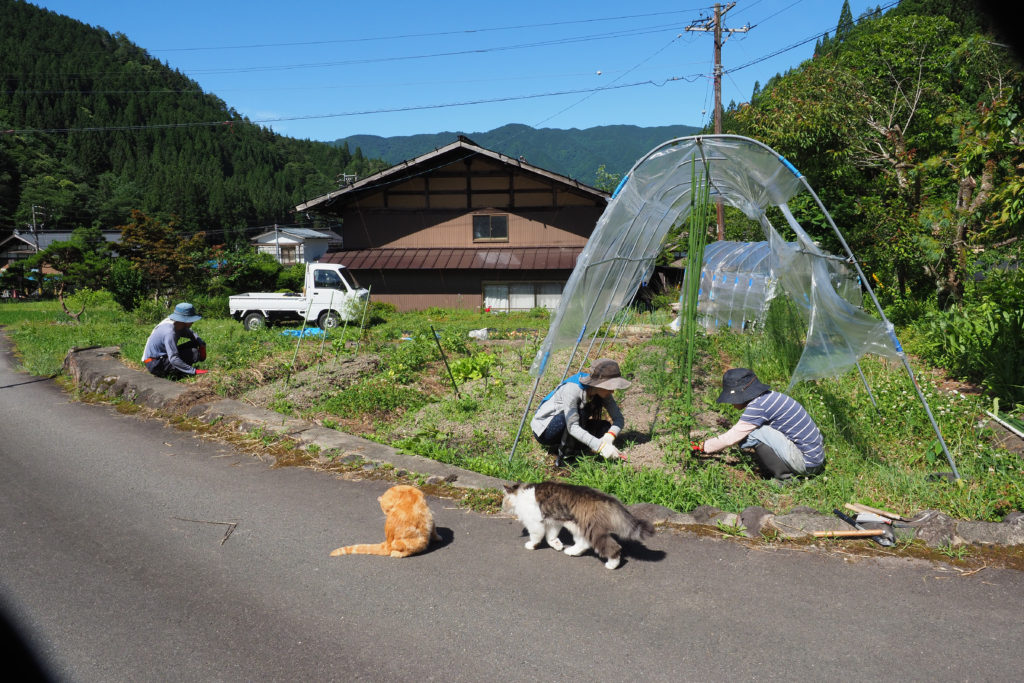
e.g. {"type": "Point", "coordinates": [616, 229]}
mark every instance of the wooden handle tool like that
{"type": "Point", "coordinates": [857, 507]}
{"type": "Point", "coordinates": [848, 533]}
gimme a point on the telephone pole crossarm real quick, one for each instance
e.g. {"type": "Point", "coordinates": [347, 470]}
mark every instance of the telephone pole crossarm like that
{"type": "Point", "coordinates": [715, 24]}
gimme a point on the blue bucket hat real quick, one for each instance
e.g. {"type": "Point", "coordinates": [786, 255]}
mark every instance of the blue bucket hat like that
{"type": "Point", "coordinates": [185, 313]}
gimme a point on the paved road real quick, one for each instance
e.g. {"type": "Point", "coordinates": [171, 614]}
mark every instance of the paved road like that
{"type": "Point", "coordinates": [113, 560]}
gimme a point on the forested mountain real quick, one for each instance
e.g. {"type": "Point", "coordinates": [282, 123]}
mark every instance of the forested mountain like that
{"type": "Point", "coordinates": [145, 137]}
{"type": "Point", "coordinates": [574, 153]}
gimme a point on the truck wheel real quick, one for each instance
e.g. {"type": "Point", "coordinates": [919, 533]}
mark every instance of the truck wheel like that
{"type": "Point", "coordinates": [254, 321]}
{"type": "Point", "coordinates": [328, 320]}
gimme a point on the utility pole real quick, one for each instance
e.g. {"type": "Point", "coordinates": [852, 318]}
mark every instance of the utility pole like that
{"type": "Point", "coordinates": [35, 227]}
{"type": "Point", "coordinates": [35, 237]}
{"type": "Point", "coordinates": [714, 24]}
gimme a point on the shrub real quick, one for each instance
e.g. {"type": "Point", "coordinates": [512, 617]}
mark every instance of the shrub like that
{"type": "Point", "coordinates": [126, 284]}
{"type": "Point", "coordinates": [210, 305]}
{"type": "Point", "coordinates": [292, 278]}
{"type": "Point", "coordinates": [982, 343]}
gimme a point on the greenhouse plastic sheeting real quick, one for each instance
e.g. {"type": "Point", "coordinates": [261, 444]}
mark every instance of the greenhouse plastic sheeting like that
{"type": "Point", "coordinates": [736, 285]}
{"type": "Point", "coordinates": [656, 194]}
{"type": "Point", "coordinates": [738, 281]}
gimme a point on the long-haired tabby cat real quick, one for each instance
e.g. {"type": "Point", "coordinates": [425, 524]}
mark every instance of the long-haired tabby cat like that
{"type": "Point", "coordinates": [408, 527]}
{"type": "Point", "coordinates": [591, 516]}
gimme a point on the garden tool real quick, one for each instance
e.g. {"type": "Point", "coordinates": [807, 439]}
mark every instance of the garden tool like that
{"type": "Point", "coordinates": [885, 539]}
{"type": "Point", "coordinates": [849, 533]}
{"type": "Point", "coordinates": [893, 519]}
{"type": "Point", "coordinates": [858, 507]}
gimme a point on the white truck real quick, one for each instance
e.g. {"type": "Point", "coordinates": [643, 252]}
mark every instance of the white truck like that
{"type": "Point", "coordinates": [327, 298]}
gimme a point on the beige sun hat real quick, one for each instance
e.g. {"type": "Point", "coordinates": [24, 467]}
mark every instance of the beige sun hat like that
{"type": "Point", "coordinates": [605, 374]}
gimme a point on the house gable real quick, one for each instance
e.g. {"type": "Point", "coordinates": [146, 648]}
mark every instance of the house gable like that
{"type": "Point", "coordinates": [441, 228]}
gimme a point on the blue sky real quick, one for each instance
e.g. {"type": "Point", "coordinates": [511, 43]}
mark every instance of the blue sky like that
{"type": "Point", "coordinates": [328, 69]}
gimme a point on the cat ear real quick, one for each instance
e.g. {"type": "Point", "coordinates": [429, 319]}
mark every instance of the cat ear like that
{"type": "Point", "coordinates": [511, 488]}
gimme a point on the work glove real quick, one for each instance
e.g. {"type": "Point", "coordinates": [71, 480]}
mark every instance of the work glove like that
{"type": "Point", "coordinates": [607, 438]}
{"type": "Point", "coordinates": [609, 451]}
{"type": "Point", "coordinates": [201, 372]}
{"type": "Point", "coordinates": [697, 447]}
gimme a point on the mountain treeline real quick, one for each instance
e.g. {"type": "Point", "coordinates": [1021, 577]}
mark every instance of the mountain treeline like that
{"type": "Point", "coordinates": [575, 153]}
{"type": "Point", "coordinates": [92, 128]}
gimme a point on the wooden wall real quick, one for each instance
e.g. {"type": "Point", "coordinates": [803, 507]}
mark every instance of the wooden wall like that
{"type": "Point", "coordinates": [436, 209]}
{"type": "Point", "coordinates": [415, 290]}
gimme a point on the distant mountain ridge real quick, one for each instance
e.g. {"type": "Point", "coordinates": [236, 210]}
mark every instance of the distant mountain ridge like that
{"type": "Point", "coordinates": [576, 153]}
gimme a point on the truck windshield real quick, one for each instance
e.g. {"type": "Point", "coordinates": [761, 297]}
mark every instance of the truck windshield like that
{"type": "Point", "coordinates": [328, 279]}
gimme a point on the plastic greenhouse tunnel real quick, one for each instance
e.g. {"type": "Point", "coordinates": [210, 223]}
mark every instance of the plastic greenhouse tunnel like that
{"type": "Point", "coordinates": [737, 279]}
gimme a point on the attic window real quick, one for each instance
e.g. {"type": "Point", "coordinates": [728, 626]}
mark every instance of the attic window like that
{"type": "Point", "coordinates": [490, 228]}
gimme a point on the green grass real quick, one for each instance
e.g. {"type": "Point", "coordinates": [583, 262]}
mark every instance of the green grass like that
{"type": "Point", "coordinates": [878, 455]}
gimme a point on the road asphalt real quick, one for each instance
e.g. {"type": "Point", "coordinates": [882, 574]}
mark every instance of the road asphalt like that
{"type": "Point", "coordinates": [117, 565]}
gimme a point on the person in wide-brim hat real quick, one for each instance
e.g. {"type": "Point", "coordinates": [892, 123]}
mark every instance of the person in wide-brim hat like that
{"type": "Point", "coordinates": [784, 438]}
{"type": "Point", "coordinates": [163, 356]}
{"type": "Point", "coordinates": [572, 413]}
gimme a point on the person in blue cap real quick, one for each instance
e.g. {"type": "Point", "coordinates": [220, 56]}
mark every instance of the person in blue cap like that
{"type": "Point", "coordinates": [163, 356]}
{"type": "Point", "coordinates": [785, 440]}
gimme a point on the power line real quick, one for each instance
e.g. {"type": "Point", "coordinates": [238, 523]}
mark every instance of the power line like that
{"type": "Point", "coordinates": [384, 110]}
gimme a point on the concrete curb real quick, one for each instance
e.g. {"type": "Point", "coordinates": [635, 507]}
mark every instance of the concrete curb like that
{"type": "Point", "coordinates": [98, 369]}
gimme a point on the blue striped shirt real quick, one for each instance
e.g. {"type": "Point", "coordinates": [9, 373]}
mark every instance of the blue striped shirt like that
{"type": "Point", "coordinates": [782, 413]}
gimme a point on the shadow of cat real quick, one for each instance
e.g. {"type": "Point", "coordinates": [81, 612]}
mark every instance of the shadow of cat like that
{"type": "Point", "coordinates": [630, 549]}
{"type": "Point", "coordinates": [447, 537]}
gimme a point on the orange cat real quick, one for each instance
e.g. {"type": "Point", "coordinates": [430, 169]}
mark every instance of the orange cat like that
{"type": "Point", "coordinates": [408, 528]}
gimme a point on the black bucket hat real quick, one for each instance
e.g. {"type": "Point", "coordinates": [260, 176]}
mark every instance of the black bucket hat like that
{"type": "Point", "coordinates": [605, 374]}
{"type": "Point", "coordinates": [740, 385]}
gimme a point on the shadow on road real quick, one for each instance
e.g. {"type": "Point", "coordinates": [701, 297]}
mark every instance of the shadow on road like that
{"type": "Point", "coordinates": [30, 381]}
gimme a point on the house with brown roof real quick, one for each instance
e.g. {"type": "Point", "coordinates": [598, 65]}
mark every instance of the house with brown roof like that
{"type": "Point", "coordinates": [462, 227]}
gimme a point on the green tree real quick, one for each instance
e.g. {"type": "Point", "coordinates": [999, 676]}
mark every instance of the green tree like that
{"type": "Point", "coordinates": [81, 261]}
{"type": "Point", "coordinates": [168, 257]}
{"type": "Point", "coordinates": [606, 181]}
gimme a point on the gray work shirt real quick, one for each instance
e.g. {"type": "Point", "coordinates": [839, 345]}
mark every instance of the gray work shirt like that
{"type": "Point", "coordinates": [163, 341]}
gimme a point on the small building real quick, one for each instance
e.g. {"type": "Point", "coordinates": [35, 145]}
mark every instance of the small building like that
{"type": "Point", "coordinates": [296, 245]}
{"type": "Point", "coordinates": [21, 245]}
{"type": "Point", "coordinates": [462, 227]}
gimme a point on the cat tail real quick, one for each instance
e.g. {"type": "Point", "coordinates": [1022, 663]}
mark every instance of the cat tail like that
{"type": "Point", "coordinates": [362, 549]}
{"type": "Point", "coordinates": [632, 527]}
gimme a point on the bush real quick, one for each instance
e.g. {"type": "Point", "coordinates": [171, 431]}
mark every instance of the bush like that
{"type": "Point", "coordinates": [982, 344]}
{"type": "Point", "coordinates": [292, 278]}
{"type": "Point", "coordinates": [379, 312]}
{"type": "Point", "coordinates": [210, 305]}
{"type": "Point", "coordinates": [126, 284]}
{"type": "Point", "coordinates": [150, 312]}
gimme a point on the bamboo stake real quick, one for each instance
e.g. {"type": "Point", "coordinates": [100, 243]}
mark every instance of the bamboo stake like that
{"type": "Point", "coordinates": [445, 359]}
{"type": "Point", "coordinates": [320, 353]}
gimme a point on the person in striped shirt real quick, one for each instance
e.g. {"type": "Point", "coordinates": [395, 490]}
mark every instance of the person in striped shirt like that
{"type": "Point", "coordinates": [785, 440]}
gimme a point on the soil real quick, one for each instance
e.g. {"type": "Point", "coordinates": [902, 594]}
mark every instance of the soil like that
{"type": "Point", "coordinates": [306, 388]}
{"type": "Point", "coordinates": [646, 440]}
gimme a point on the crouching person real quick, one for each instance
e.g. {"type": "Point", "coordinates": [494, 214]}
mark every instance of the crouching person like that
{"type": "Point", "coordinates": [570, 416]}
{"type": "Point", "coordinates": [163, 356]}
{"type": "Point", "coordinates": [784, 438]}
